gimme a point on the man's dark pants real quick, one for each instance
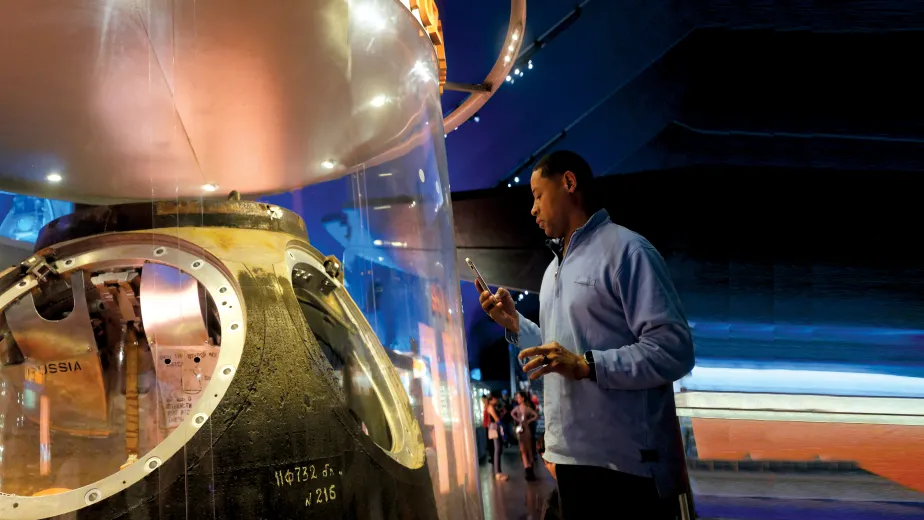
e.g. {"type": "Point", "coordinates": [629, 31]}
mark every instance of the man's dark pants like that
{"type": "Point", "coordinates": [587, 492]}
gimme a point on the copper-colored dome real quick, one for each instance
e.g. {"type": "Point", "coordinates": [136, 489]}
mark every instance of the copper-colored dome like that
{"type": "Point", "coordinates": [141, 99]}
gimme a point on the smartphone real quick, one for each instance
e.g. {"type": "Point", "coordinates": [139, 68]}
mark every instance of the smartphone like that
{"type": "Point", "coordinates": [478, 277]}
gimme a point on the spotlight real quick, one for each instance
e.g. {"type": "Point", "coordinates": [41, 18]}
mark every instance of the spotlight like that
{"type": "Point", "coordinates": [54, 177]}
{"type": "Point", "coordinates": [422, 72]}
{"type": "Point", "coordinates": [369, 18]}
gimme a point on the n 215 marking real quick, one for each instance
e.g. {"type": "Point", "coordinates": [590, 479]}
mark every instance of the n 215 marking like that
{"type": "Point", "coordinates": [322, 495]}
{"type": "Point", "coordinates": [300, 474]}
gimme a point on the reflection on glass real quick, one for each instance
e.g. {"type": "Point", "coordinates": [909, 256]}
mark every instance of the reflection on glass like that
{"type": "Point", "coordinates": [343, 344]}
{"type": "Point", "coordinates": [391, 227]}
{"type": "Point", "coordinates": [24, 216]}
{"type": "Point", "coordinates": [97, 369]}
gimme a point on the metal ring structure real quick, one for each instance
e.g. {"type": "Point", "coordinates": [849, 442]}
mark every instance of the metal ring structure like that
{"type": "Point", "coordinates": [177, 254]}
{"type": "Point", "coordinates": [495, 78]}
{"type": "Point", "coordinates": [408, 449]}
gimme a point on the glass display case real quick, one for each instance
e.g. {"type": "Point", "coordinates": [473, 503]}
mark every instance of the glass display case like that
{"type": "Point", "coordinates": [391, 225]}
{"type": "Point", "coordinates": [246, 302]}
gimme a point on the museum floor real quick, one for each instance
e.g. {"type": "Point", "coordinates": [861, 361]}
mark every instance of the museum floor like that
{"type": "Point", "coordinates": [732, 495]}
{"type": "Point", "coordinates": [514, 499]}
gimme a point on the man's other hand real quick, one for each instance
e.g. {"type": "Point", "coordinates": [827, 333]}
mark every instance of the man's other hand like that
{"type": "Point", "coordinates": [553, 357]}
{"type": "Point", "coordinates": [500, 307]}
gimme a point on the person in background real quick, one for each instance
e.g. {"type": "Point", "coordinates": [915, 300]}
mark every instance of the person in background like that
{"type": "Point", "coordinates": [524, 416]}
{"type": "Point", "coordinates": [613, 339]}
{"type": "Point", "coordinates": [486, 422]}
{"type": "Point", "coordinates": [494, 435]}
{"type": "Point", "coordinates": [533, 403]}
{"type": "Point", "coordinates": [506, 405]}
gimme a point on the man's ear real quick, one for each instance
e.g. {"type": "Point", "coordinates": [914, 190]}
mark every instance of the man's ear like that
{"type": "Point", "coordinates": [570, 181]}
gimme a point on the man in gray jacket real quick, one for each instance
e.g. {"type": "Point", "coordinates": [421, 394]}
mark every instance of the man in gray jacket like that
{"type": "Point", "coordinates": [613, 339]}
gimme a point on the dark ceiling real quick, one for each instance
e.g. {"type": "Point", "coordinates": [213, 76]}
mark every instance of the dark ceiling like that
{"type": "Point", "coordinates": [635, 86]}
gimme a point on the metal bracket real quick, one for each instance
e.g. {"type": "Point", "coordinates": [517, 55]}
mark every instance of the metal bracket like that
{"type": "Point", "coordinates": [467, 87]}
{"type": "Point", "coordinates": [334, 268]}
{"type": "Point", "coordinates": [53, 341]}
{"type": "Point", "coordinates": [38, 267]}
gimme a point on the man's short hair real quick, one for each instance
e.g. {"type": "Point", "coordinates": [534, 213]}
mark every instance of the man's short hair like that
{"type": "Point", "coordinates": [557, 163]}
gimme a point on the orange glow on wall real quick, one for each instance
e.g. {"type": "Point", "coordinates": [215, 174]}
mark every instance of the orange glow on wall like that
{"type": "Point", "coordinates": [890, 451]}
{"type": "Point", "coordinates": [457, 401]}
{"type": "Point", "coordinates": [432, 406]}
{"type": "Point", "coordinates": [439, 305]}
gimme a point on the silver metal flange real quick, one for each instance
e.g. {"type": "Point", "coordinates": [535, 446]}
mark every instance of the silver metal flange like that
{"type": "Point", "coordinates": [221, 288]}
{"type": "Point", "coordinates": [408, 448]}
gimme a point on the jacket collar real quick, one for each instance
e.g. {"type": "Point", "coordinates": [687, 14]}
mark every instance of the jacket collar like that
{"type": "Point", "coordinates": [596, 220]}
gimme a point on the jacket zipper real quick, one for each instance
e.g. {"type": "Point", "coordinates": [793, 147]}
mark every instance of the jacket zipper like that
{"type": "Point", "coordinates": [561, 263]}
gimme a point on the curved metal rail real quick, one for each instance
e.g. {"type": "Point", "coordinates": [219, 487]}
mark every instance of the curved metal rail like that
{"type": "Point", "coordinates": [482, 92]}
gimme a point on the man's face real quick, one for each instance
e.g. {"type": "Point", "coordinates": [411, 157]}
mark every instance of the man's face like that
{"type": "Point", "coordinates": [550, 199]}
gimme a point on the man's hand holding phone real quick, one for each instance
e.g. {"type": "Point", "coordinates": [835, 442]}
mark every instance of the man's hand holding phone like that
{"type": "Point", "coordinates": [500, 307]}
